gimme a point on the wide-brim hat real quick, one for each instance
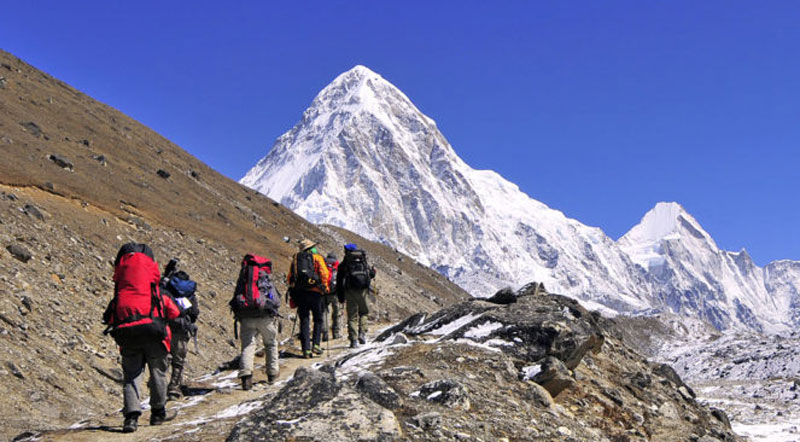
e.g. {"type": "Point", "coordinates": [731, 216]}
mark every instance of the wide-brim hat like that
{"type": "Point", "coordinates": [306, 244]}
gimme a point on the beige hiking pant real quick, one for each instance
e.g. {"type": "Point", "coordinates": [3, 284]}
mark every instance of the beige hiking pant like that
{"type": "Point", "coordinates": [267, 327]}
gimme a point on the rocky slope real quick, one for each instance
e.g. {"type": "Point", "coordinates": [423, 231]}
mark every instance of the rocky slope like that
{"type": "Point", "coordinates": [365, 158]}
{"type": "Point", "coordinates": [77, 180]}
{"type": "Point", "coordinates": [540, 368]}
{"type": "Point", "coordinates": [755, 378]}
{"type": "Point", "coordinates": [519, 366]}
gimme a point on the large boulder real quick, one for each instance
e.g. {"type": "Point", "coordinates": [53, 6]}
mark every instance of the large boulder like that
{"type": "Point", "coordinates": [314, 406]}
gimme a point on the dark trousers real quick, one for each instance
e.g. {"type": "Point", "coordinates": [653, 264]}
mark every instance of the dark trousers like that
{"type": "Point", "coordinates": [134, 359]}
{"type": "Point", "coordinates": [309, 302]}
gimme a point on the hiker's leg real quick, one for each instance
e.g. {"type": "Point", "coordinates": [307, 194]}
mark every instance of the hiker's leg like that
{"type": "Point", "coordinates": [315, 301]}
{"type": "Point", "coordinates": [247, 333]}
{"type": "Point", "coordinates": [156, 356]}
{"type": "Point", "coordinates": [132, 373]}
{"type": "Point", "coordinates": [335, 316]}
{"type": "Point", "coordinates": [179, 347]}
{"type": "Point", "coordinates": [363, 311]}
{"type": "Point", "coordinates": [352, 314]}
{"type": "Point", "coordinates": [269, 334]}
{"type": "Point", "coordinates": [303, 309]}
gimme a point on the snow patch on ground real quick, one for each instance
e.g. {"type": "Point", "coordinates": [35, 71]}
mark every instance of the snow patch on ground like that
{"type": "Point", "coordinates": [448, 328]}
{"type": "Point", "coordinates": [531, 371]}
{"type": "Point", "coordinates": [483, 330]}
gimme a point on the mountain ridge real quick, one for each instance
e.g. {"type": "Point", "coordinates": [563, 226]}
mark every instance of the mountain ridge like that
{"type": "Point", "coordinates": [385, 171]}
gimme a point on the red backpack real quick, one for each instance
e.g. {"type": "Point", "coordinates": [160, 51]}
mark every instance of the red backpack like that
{"type": "Point", "coordinates": [136, 313]}
{"type": "Point", "coordinates": [254, 295]}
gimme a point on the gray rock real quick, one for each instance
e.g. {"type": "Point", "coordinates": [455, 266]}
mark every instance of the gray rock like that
{"type": "Point", "coordinates": [554, 377]}
{"type": "Point", "coordinates": [378, 390]}
{"type": "Point", "coordinates": [61, 162]}
{"type": "Point", "coordinates": [33, 211]}
{"type": "Point", "coordinates": [32, 128]}
{"type": "Point", "coordinates": [503, 296]}
{"type": "Point", "coordinates": [427, 421]}
{"type": "Point", "coordinates": [100, 159]}
{"type": "Point", "coordinates": [26, 301]}
{"type": "Point", "coordinates": [446, 392]}
{"type": "Point", "coordinates": [19, 252]}
{"type": "Point", "coordinates": [539, 395]}
{"type": "Point", "coordinates": [722, 417]}
{"type": "Point", "coordinates": [12, 367]}
{"type": "Point", "coordinates": [399, 339]}
{"type": "Point", "coordinates": [314, 406]}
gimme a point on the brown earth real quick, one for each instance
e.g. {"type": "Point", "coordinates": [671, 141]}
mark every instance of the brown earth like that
{"type": "Point", "coordinates": [77, 180]}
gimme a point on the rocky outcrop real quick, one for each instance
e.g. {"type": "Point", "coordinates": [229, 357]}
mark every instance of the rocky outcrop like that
{"type": "Point", "coordinates": [315, 406]}
{"type": "Point", "coordinates": [536, 367]}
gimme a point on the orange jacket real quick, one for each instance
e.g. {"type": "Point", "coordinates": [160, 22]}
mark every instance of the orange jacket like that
{"type": "Point", "coordinates": [320, 268]}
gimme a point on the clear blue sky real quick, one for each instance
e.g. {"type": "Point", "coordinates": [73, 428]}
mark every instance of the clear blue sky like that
{"type": "Point", "coordinates": [597, 108]}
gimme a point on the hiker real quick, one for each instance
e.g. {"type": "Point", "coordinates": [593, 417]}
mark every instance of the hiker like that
{"type": "Point", "coordinates": [136, 318]}
{"type": "Point", "coordinates": [308, 283]}
{"type": "Point", "coordinates": [255, 306]}
{"type": "Point", "coordinates": [352, 286]}
{"type": "Point", "coordinates": [181, 289]}
{"type": "Point", "coordinates": [330, 302]}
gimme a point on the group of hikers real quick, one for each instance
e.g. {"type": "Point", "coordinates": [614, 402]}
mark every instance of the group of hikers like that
{"type": "Point", "coordinates": [153, 315]}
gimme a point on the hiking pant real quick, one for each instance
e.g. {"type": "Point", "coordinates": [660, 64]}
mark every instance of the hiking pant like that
{"type": "Point", "coordinates": [267, 327]}
{"type": "Point", "coordinates": [357, 311]}
{"type": "Point", "coordinates": [309, 302]}
{"type": "Point", "coordinates": [332, 305]}
{"type": "Point", "coordinates": [178, 349]}
{"type": "Point", "coordinates": [134, 359]}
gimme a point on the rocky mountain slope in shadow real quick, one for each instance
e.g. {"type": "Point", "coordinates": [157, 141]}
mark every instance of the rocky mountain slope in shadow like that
{"type": "Point", "coordinates": [77, 180]}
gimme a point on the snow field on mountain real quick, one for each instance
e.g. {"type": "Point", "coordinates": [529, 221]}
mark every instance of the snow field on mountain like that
{"type": "Point", "coordinates": [364, 158]}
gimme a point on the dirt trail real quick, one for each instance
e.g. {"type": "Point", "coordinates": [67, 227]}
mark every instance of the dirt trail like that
{"type": "Point", "coordinates": [208, 416]}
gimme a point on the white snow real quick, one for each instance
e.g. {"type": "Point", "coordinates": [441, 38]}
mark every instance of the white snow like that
{"type": "Point", "coordinates": [531, 371]}
{"type": "Point", "coordinates": [482, 330]}
{"type": "Point", "coordinates": [446, 329]}
{"type": "Point", "coordinates": [777, 432]}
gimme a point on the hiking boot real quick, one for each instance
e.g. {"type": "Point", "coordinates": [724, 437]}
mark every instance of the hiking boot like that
{"type": "Point", "coordinates": [362, 338]}
{"type": "Point", "coordinates": [174, 386]}
{"type": "Point", "coordinates": [307, 354]}
{"type": "Point", "coordinates": [247, 382]}
{"type": "Point", "coordinates": [158, 417]}
{"type": "Point", "coordinates": [317, 350]}
{"type": "Point", "coordinates": [271, 378]}
{"type": "Point", "coordinates": [353, 343]}
{"type": "Point", "coordinates": [336, 334]}
{"type": "Point", "coordinates": [131, 423]}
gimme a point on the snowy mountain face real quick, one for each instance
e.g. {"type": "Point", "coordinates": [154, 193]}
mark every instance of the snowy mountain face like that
{"type": "Point", "coordinates": [364, 158]}
{"type": "Point", "coordinates": [690, 275]}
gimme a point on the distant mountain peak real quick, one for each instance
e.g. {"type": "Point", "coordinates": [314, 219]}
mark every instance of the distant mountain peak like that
{"type": "Point", "coordinates": [667, 220]}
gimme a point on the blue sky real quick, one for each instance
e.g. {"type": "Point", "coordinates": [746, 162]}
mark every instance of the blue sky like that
{"type": "Point", "coordinates": [598, 109]}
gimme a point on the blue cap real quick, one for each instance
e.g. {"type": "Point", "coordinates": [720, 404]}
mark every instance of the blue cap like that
{"type": "Point", "coordinates": [350, 246]}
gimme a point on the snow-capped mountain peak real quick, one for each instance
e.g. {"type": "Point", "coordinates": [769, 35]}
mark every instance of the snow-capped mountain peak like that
{"type": "Point", "coordinates": [365, 158]}
{"type": "Point", "coordinates": [666, 221]}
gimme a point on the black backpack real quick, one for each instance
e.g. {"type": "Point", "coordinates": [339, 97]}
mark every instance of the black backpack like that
{"type": "Point", "coordinates": [305, 276]}
{"type": "Point", "coordinates": [358, 271]}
